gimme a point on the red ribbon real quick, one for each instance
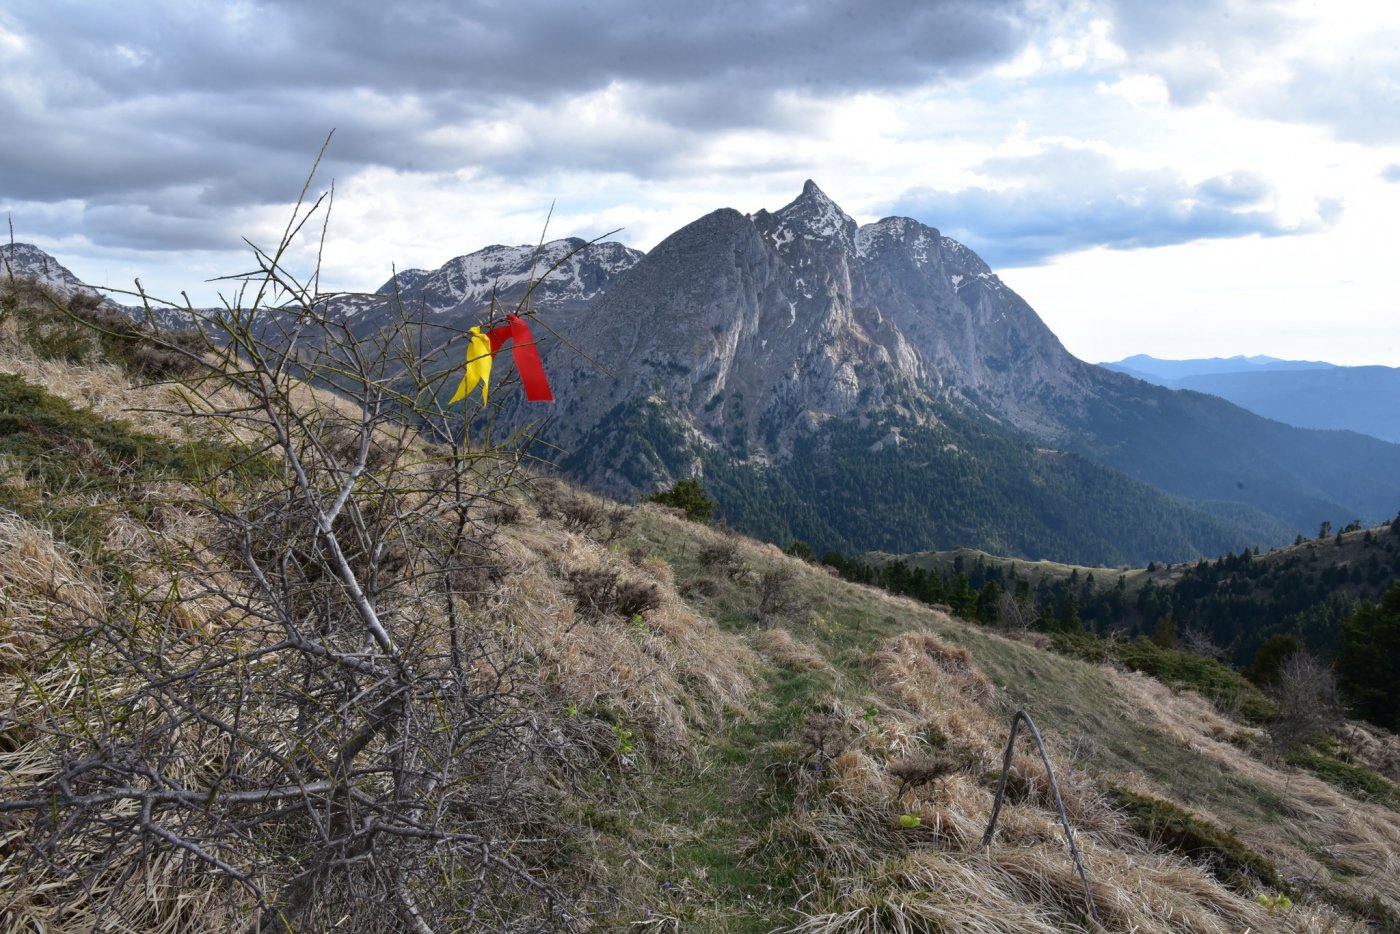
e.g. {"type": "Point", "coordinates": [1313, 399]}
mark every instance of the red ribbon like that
{"type": "Point", "coordinates": [527, 357]}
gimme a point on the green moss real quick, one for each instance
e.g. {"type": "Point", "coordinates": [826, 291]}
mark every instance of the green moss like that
{"type": "Point", "coordinates": [1163, 823]}
{"type": "Point", "coordinates": [1367, 906]}
{"type": "Point", "coordinates": [1354, 780]}
{"type": "Point", "coordinates": [73, 461]}
{"type": "Point", "coordinates": [1226, 687]}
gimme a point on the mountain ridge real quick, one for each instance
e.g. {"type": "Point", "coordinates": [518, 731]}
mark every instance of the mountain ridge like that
{"type": "Point", "coordinates": [745, 341]}
{"type": "Point", "coordinates": [1304, 394]}
{"type": "Point", "coordinates": [750, 331]}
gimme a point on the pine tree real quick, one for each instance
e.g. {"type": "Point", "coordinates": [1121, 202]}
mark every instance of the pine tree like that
{"type": "Point", "coordinates": [1369, 661]}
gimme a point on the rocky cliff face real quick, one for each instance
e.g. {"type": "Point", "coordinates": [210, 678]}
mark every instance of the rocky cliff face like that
{"type": "Point", "coordinates": [748, 339]}
{"type": "Point", "coordinates": [766, 326]}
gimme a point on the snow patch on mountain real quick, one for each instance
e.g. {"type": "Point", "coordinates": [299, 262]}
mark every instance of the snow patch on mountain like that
{"type": "Point", "coordinates": [27, 261]}
{"type": "Point", "coordinates": [815, 217]}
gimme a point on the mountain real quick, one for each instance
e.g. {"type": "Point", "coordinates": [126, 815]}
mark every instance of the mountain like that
{"type": "Point", "coordinates": [561, 275]}
{"type": "Point", "coordinates": [27, 261]}
{"type": "Point", "coordinates": [1305, 394]}
{"type": "Point", "coordinates": [1168, 372]}
{"type": "Point", "coordinates": [880, 387]}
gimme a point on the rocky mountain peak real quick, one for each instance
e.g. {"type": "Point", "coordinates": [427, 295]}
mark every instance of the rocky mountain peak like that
{"type": "Point", "coordinates": [566, 270]}
{"type": "Point", "coordinates": [813, 216]}
{"type": "Point", "coordinates": [27, 261]}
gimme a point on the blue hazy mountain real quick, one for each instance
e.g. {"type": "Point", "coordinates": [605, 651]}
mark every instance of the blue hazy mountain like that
{"type": "Point", "coordinates": [1303, 393]}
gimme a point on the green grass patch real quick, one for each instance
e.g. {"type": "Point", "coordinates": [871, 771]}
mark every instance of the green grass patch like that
{"type": "Point", "coordinates": [72, 459]}
{"type": "Point", "coordinates": [1165, 824]}
{"type": "Point", "coordinates": [1353, 779]}
{"type": "Point", "coordinates": [1227, 688]}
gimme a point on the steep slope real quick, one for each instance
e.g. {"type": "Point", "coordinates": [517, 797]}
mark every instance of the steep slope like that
{"type": "Point", "coordinates": [704, 734]}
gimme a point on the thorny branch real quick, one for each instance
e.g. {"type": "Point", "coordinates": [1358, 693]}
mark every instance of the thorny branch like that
{"type": "Point", "coordinates": [310, 709]}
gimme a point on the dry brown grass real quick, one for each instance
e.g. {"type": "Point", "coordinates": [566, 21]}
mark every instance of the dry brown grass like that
{"type": "Point", "coordinates": [1373, 747]}
{"type": "Point", "coordinates": [45, 592]}
{"type": "Point", "coordinates": [879, 875]}
{"type": "Point", "coordinates": [658, 676]}
{"type": "Point", "coordinates": [1320, 833]}
{"type": "Point", "coordinates": [104, 388]}
{"type": "Point", "coordinates": [674, 677]}
{"type": "Point", "coordinates": [926, 674]}
{"type": "Point", "coordinates": [783, 648]}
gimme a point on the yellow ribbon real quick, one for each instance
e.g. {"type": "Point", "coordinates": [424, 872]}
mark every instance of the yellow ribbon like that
{"type": "Point", "coordinates": [478, 367]}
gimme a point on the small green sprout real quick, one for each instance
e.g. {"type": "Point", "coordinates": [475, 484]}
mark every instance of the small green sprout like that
{"type": "Point", "coordinates": [624, 738]}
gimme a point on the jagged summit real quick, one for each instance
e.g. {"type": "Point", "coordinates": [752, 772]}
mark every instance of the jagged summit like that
{"type": "Point", "coordinates": [812, 215]}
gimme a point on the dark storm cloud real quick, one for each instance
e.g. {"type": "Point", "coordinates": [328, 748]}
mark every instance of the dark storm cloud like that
{"type": "Point", "coordinates": [1067, 199]}
{"type": "Point", "coordinates": [125, 104]}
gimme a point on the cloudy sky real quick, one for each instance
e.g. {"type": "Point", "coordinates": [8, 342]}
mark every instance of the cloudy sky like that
{"type": "Point", "coordinates": [1203, 178]}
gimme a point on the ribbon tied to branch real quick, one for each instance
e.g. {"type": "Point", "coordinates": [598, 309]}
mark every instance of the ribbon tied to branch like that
{"type": "Point", "coordinates": [481, 352]}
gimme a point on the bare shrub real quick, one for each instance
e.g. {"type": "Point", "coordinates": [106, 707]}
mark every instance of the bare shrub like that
{"type": "Point", "coordinates": [825, 737]}
{"type": "Point", "coordinates": [1013, 614]}
{"type": "Point", "coordinates": [920, 770]}
{"type": "Point", "coordinates": [617, 520]}
{"type": "Point", "coordinates": [1199, 642]}
{"type": "Point", "coordinates": [592, 517]}
{"type": "Point", "coordinates": [1309, 701]}
{"type": "Point", "coordinates": [700, 587]}
{"type": "Point", "coordinates": [722, 557]}
{"type": "Point", "coordinates": [581, 513]}
{"type": "Point", "coordinates": [294, 718]}
{"type": "Point", "coordinates": [504, 513]}
{"type": "Point", "coordinates": [777, 594]}
{"type": "Point", "coordinates": [603, 591]}
{"type": "Point", "coordinates": [548, 493]}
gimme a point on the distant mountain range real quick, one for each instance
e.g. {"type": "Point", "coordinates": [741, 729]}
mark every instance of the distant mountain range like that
{"type": "Point", "coordinates": [1307, 394]}
{"type": "Point", "coordinates": [879, 387]}
{"type": "Point", "coordinates": [27, 261]}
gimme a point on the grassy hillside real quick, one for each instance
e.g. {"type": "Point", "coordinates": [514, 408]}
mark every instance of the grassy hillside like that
{"type": "Point", "coordinates": [657, 725]}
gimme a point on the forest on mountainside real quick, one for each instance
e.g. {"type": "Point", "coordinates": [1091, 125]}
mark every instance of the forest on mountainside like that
{"type": "Point", "coordinates": [961, 482]}
{"type": "Point", "coordinates": [1319, 595]}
